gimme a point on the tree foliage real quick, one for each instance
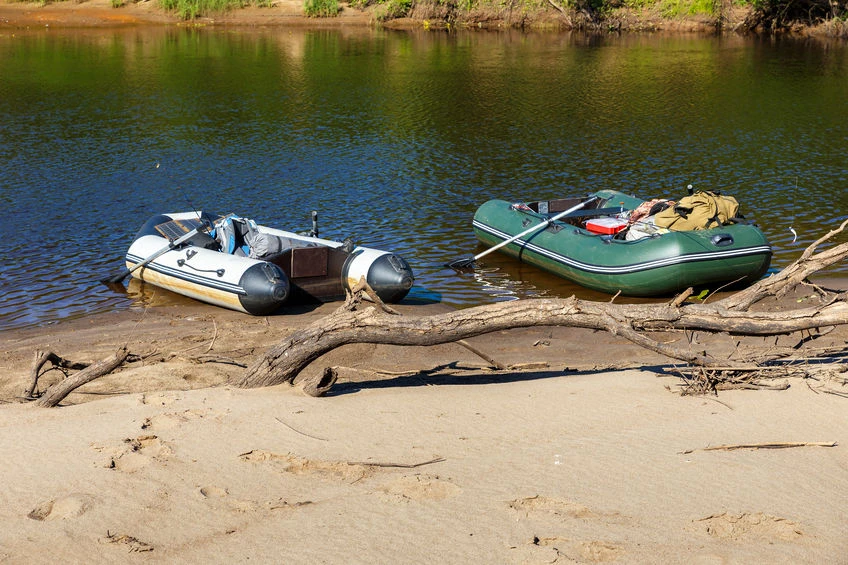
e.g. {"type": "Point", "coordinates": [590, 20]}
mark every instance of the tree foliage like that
{"type": "Point", "coordinates": [777, 15]}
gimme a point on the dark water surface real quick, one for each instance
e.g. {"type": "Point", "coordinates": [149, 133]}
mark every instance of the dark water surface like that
{"type": "Point", "coordinates": [395, 138]}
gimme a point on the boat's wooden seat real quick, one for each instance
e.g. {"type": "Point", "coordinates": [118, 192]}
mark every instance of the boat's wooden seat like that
{"type": "Point", "coordinates": [562, 204]}
{"type": "Point", "coordinates": [583, 213]}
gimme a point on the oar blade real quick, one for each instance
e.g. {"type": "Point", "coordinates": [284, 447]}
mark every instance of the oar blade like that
{"type": "Point", "coordinates": [462, 264]}
{"type": "Point", "coordinates": [115, 279]}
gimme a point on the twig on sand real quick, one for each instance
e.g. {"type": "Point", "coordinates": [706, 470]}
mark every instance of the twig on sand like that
{"type": "Point", "coordinates": [482, 355]}
{"type": "Point", "coordinates": [300, 432]}
{"type": "Point", "coordinates": [782, 445]}
{"type": "Point", "coordinates": [399, 465]}
{"type": "Point", "coordinates": [214, 337]}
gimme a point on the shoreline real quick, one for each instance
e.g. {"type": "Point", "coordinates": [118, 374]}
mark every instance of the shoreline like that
{"type": "Point", "coordinates": [100, 14]}
{"type": "Point", "coordinates": [171, 331]}
{"type": "Point", "coordinates": [586, 453]}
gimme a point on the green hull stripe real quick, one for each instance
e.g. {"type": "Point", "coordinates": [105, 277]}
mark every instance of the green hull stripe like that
{"type": "Point", "coordinates": [633, 267]}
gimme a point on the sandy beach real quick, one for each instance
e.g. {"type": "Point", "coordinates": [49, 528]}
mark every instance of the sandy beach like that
{"type": "Point", "coordinates": [585, 452]}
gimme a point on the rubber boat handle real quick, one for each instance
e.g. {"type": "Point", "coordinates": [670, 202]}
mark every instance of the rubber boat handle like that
{"type": "Point", "coordinates": [722, 240]}
{"type": "Point", "coordinates": [537, 227]}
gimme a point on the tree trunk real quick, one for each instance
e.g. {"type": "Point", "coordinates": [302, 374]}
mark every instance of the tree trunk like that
{"type": "Point", "coordinates": [283, 362]}
{"type": "Point", "coordinates": [346, 325]}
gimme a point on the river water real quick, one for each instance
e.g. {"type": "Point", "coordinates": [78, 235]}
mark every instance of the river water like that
{"type": "Point", "coordinates": [394, 138]}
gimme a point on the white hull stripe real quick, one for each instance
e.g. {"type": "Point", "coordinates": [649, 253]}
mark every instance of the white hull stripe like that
{"type": "Point", "coordinates": [632, 268]}
{"type": "Point", "coordinates": [188, 277]}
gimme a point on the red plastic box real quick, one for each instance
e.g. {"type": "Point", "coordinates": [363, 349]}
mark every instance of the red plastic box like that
{"type": "Point", "coordinates": [605, 226]}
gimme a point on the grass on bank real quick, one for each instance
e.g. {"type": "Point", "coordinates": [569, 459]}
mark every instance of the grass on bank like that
{"type": "Point", "coordinates": [768, 15]}
{"type": "Point", "coordinates": [190, 9]}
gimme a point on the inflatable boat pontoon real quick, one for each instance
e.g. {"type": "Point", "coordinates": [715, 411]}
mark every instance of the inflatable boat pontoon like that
{"type": "Point", "coordinates": [235, 263]}
{"type": "Point", "coordinates": [594, 242]}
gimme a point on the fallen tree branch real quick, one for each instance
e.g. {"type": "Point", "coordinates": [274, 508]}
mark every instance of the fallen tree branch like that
{"type": "Point", "coordinates": [398, 465]}
{"type": "Point", "coordinates": [783, 445]}
{"type": "Point", "coordinates": [300, 432]}
{"type": "Point", "coordinates": [349, 324]}
{"type": "Point", "coordinates": [56, 393]}
{"type": "Point", "coordinates": [42, 357]}
{"type": "Point", "coordinates": [796, 273]}
{"type": "Point", "coordinates": [283, 362]}
{"type": "Point", "coordinates": [477, 352]}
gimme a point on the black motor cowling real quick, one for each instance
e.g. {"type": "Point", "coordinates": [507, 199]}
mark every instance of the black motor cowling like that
{"type": "Point", "coordinates": [266, 288]}
{"type": "Point", "coordinates": [391, 278]}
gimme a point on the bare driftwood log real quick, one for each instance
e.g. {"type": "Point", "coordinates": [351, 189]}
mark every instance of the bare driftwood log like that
{"type": "Point", "coordinates": [380, 325]}
{"type": "Point", "coordinates": [56, 393]}
{"type": "Point", "coordinates": [42, 357]}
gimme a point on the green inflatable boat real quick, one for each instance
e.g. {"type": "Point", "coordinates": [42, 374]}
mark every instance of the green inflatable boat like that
{"type": "Point", "coordinates": [611, 242]}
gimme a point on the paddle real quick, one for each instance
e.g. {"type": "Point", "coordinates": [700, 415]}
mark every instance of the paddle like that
{"type": "Point", "coordinates": [464, 263]}
{"type": "Point", "coordinates": [179, 241]}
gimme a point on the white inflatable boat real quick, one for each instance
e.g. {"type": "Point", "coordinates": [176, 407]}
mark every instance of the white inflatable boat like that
{"type": "Point", "coordinates": [235, 263]}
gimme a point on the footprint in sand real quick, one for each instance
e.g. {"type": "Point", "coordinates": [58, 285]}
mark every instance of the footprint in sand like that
{"type": "Point", "coordinates": [414, 487]}
{"type": "Point", "coordinates": [745, 526]}
{"type": "Point", "coordinates": [576, 551]}
{"type": "Point", "coordinates": [560, 508]}
{"type": "Point", "coordinates": [173, 419]}
{"type": "Point", "coordinates": [331, 470]}
{"type": "Point", "coordinates": [139, 452]}
{"type": "Point", "coordinates": [421, 487]}
{"type": "Point", "coordinates": [556, 511]}
{"type": "Point", "coordinates": [213, 492]}
{"type": "Point", "coordinates": [160, 398]}
{"type": "Point", "coordinates": [242, 505]}
{"type": "Point", "coordinates": [555, 506]}
{"type": "Point", "coordinates": [68, 506]}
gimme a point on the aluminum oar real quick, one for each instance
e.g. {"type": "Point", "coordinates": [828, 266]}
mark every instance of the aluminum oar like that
{"type": "Point", "coordinates": [176, 243]}
{"type": "Point", "coordinates": [465, 263]}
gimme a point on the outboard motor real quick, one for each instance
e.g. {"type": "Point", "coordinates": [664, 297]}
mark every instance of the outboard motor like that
{"type": "Point", "coordinates": [389, 275]}
{"type": "Point", "coordinates": [266, 288]}
{"type": "Point", "coordinates": [391, 278]}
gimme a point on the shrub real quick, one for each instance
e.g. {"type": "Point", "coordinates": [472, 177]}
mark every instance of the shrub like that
{"type": "Point", "coordinates": [394, 9]}
{"type": "Point", "coordinates": [321, 8]}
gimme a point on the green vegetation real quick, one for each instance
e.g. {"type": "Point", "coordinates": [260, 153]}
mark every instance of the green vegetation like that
{"type": "Point", "coordinates": [190, 9]}
{"type": "Point", "coordinates": [768, 15]}
{"type": "Point", "coordinates": [390, 9]}
{"type": "Point", "coordinates": [774, 15]}
{"type": "Point", "coordinates": [321, 8]}
{"type": "Point", "coordinates": [680, 8]}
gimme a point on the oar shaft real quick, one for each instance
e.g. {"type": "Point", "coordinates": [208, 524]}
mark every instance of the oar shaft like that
{"type": "Point", "coordinates": [180, 240]}
{"type": "Point", "coordinates": [537, 227]}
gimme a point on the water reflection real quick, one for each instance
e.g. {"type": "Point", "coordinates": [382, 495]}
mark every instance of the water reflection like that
{"type": "Point", "coordinates": [395, 138]}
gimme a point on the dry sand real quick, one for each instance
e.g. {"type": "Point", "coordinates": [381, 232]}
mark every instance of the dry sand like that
{"type": "Point", "coordinates": [579, 461]}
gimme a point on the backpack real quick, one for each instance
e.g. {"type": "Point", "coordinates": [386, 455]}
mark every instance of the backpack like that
{"type": "Point", "coordinates": [240, 236]}
{"type": "Point", "coordinates": [702, 210]}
